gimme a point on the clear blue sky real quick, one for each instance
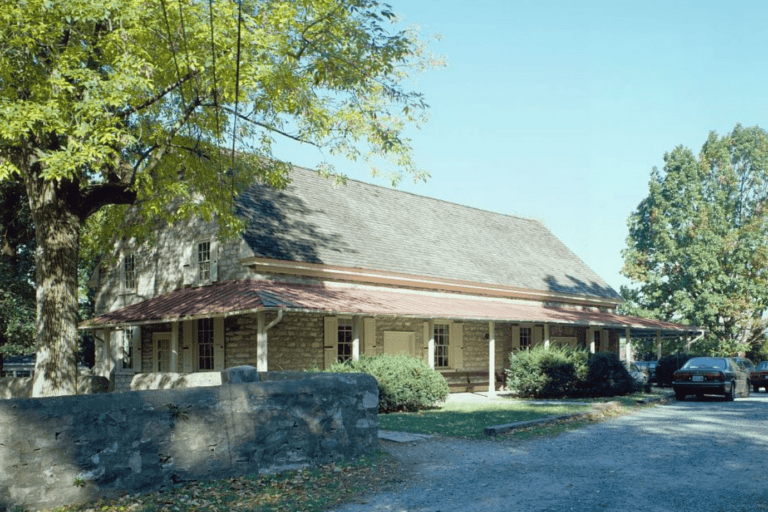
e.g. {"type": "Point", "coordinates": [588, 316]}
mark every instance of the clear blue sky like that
{"type": "Point", "coordinates": [558, 111]}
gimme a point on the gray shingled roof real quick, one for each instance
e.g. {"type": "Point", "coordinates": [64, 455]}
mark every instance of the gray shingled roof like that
{"type": "Point", "coordinates": [367, 226]}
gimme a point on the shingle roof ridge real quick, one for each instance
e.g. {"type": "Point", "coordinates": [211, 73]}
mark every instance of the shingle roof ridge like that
{"type": "Point", "coordinates": [429, 198]}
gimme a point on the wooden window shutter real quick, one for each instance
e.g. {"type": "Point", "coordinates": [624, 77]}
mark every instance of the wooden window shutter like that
{"type": "Point", "coordinates": [187, 342]}
{"type": "Point", "coordinates": [136, 348]}
{"type": "Point", "coordinates": [331, 339]}
{"type": "Point", "coordinates": [369, 337]}
{"type": "Point", "coordinates": [537, 333]}
{"type": "Point", "coordinates": [218, 344]}
{"type": "Point", "coordinates": [516, 337]}
{"type": "Point", "coordinates": [214, 260]}
{"type": "Point", "coordinates": [456, 346]}
{"type": "Point", "coordinates": [425, 340]}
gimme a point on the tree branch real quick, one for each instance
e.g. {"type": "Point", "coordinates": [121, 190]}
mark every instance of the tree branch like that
{"type": "Point", "coordinates": [263, 125]}
{"type": "Point", "coordinates": [160, 95]}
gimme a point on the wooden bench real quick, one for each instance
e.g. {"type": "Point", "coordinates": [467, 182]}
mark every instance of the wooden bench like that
{"type": "Point", "coordinates": [471, 381]}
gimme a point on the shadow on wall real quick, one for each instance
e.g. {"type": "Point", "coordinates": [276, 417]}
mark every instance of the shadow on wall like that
{"type": "Point", "coordinates": [274, 231]}
{"type": "Point", "coordinates": [579, 287]}
{"type": "Point", "coordinates": [68, 450]}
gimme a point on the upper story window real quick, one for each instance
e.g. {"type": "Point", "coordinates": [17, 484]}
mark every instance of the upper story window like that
{"type": "Point", "coordinates": [344, 340]}
{"type": "Point", "coordinates": [442, 340]}
{"type": "Point", "coordinates": [129, 272]}
{"type": "Point", "coordinates": [525, 338]}
{"type": "Point", "coordinates": [204, 261]}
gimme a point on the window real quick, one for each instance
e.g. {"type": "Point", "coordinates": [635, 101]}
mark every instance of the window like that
{"type": "Point", "coordinates": [344, 340]}
{"type": "Point", "coordinates": [597, 341]}
{"type": "Point", "coordinates": [204, 261]}
{"type": "Point", "coordinates": [205, 344]}
{"type": "Point", "coordinates": [129, 272]}
{"type": "Point", "coordinates": [441, 345]}
{"type": "Point", "coordinates": [525, 338]}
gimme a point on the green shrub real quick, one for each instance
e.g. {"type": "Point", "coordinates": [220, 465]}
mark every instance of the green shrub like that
{"type": "Point", "coordinates": [668, 365]}
{"type": "Point", "coordinates": [405, 383]}
{"type": "Point", "coordinates": [546, 373]}
{"type": "Point", "coordinates": [607, 376]}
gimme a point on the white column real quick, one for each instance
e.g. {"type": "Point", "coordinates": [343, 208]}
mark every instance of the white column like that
{"type": "Point", "coordinates": [261, 343]}
{"type": "Point", "coordinates": [491, 359]}
{"type": "Point", "coordinates": [591, 340]}
{"type": "Point", "coordinates": [174, 363]}
{"type": "Point", "coordinates": [627, 346]}
{"type": "Point", "coordinates": [546, 335]}
{"type": "Point", "coordinates": [355, 337]}
{"type": "Point", "coordinates": [106, 353]}
{"type": "Point", "coordinates": [658, 345]}
{"type": "Point", "coordinates": [431, 343]}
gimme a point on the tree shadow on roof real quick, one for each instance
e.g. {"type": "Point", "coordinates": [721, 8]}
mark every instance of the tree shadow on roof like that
{"type": "Point", "coordinates": [277, 227]}
{"type": "Point", "coordinates": [578, 287]}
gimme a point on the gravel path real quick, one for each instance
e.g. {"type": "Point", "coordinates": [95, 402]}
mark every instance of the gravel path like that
{"type": "Point", "coordinates": [699, 456]}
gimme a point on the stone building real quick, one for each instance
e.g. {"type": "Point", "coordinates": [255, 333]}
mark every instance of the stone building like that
{"type": "Point", "coordinates": [324, 273]}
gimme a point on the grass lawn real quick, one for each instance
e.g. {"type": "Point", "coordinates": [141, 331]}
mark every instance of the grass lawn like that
{"type": "Point", "coordinates": [468, 419]}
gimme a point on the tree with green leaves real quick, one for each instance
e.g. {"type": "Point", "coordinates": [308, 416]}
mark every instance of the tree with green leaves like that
{"type": "Point", "coordinates": [17, 272]}
{"type": "Point", "coordinates": [107, 105]}
{"type": "Point", "coordinates": [698, 244]}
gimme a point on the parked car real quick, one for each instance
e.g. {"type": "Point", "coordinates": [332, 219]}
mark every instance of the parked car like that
{"type": "Point", "coordinates": [637, 374]}
{"type": "Point", "coordinates": [649, 368]}
{"type": "Point", "coordinates": [711, 376]}
{"type": "Point", "coordinates": [759, 377]}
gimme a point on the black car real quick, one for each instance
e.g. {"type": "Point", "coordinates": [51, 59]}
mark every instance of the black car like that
{"type": "Point", "coordinates": [759, 377]}
{"type": "Point", "coordinates": [711, 376]}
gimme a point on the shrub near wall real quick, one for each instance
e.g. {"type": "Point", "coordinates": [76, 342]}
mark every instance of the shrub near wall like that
{"type": "Point", "coordinates": [64, 450]}
{"type": "Point", "coordinates": [542, 372]}
{"type": "Point", "coordinates": [405, 383]}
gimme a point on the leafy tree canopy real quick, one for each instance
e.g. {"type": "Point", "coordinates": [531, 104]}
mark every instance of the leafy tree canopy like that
{"type": "Point", "coordinates": [110, 104]}
{"type": "Point", "coordinates": [698, 244]}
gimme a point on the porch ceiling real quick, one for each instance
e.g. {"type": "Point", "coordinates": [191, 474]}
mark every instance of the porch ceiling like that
{"type": "Point", "coordinates": [230, 298]}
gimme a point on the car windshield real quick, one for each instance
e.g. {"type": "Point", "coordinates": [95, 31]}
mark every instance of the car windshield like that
{"type": "Point", "coordinates": [762, 365]}
{"type": "Point", "coordinates": [706, 362]}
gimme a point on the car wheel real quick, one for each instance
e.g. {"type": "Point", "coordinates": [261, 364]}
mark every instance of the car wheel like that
{"type": "Point", "coordinates": [679, 396]}
{"type": "Point", "coordinates": [731, 393]}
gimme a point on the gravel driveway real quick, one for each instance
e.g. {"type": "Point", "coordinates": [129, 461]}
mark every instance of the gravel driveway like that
{"type": "Point", "coordinates": [707, 455]}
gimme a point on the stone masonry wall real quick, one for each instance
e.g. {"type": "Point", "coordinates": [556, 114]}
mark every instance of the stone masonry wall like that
{"type": "Point", "coordinates": [295, 343]}
{"type": "Point", "coordinates": [73, 449]}
{"type": "Point", "coordinates": [476, 345]}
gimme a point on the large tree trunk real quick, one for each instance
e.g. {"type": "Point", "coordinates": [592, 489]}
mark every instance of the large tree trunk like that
{"type": "Point", "coordinates": [57, 228]}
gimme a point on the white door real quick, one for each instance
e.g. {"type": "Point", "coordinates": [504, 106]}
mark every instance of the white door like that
{"type": "Point", "coordinates": [161, 356]}
{"type": "Point", "coordinates": [397, 342]}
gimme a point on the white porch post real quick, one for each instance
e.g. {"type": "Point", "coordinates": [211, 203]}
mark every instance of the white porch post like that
{"type": "Point", "coordinates": [431, 343]}
{"type": "Point", "coordinates": [591, 340]}
{"type": "Point", "coordinates": [627, 347]}
{"type": "Point", "coordinates": [658, 345]}
{"type": "Point", "coordinates": [492, 359]}
{"type": "Point", "coordinates": [355, 337]}
{"type": "Point", "coordinates": [261, 343]}
{"type": "Point", "coordinates": [106, 353]}
{"type": "Point", "coordinates": [546, 335]}
{"type": "Point", "coordinates": [174, 362]}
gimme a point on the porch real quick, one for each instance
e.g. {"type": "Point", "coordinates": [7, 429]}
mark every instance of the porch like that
{"type": "Point", "coordinates": [289, 326]}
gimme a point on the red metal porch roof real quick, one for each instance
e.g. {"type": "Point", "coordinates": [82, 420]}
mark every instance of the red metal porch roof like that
{"type": "Point", "coordinates": [246, 296]}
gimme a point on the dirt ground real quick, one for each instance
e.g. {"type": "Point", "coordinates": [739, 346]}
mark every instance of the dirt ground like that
{"type": "Point", "coordinates": [693, 455]}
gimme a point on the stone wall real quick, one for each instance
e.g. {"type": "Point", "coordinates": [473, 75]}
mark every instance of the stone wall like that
{"type": "Point", "coordinates": [64, 450]}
